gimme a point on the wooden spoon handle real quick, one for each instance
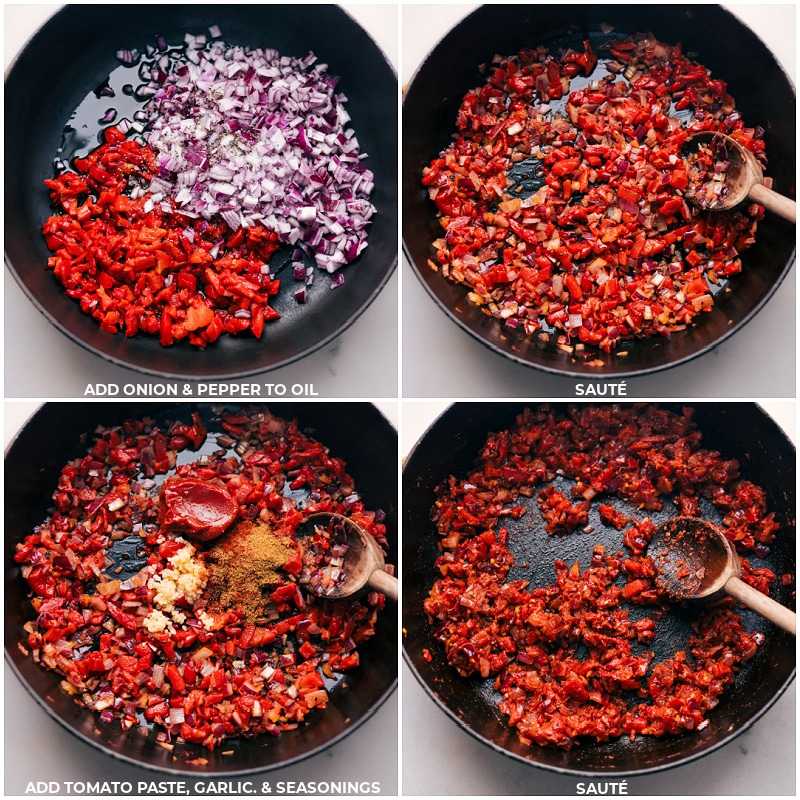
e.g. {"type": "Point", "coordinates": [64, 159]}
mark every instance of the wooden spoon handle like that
{"type": "Point", "coordinates": [385, 583]}
{"type": "Point", "coordinates": [762, 604]}
{"type": "Point", "coordinates": [782, 206]}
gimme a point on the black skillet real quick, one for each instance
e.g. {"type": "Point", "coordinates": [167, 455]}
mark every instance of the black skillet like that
{"type": "Point", "coordinates": [33, 462]}
{"type": "Point", "coordinates": [451, 445]}
{"type": "Point", "coordinates": [764, 94]}
{"type": "Point", "coordinates": [74, 53]}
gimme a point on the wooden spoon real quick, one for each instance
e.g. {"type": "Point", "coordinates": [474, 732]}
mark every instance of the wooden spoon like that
{"type": "Point", "coordinates": [743, 179]}
{"type": "Point", "coordinates": [363, 562]}
{"type": "Point", "coordinates": [695, 561]}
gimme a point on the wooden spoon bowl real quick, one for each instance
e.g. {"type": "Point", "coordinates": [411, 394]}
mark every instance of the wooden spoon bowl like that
{"type": "Point", "coordinates": [744, 179]}
{"type": "Point", "coordinates": [363, 565]}
{"type": "Point", "coordinates": [695, 561]}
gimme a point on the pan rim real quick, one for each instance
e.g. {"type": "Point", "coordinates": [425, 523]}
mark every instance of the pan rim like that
{"type": "Point", "coordinates": [253, 356]}
{"type": "Point", "coordinates": [411, 660]}
{"type": "Point", "coordinates": [469, 322]}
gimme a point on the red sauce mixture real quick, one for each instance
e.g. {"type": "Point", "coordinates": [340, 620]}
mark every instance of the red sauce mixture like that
{"type": "Point", "coordinates": [572, 223]}
{"type": "Point", "coordinates": [572, 660]}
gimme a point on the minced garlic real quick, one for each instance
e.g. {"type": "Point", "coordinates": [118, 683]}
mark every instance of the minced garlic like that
{"type": "Point", "coordinates": [185, 577]}
{"type": "Point", "coordinates": [156, 622]}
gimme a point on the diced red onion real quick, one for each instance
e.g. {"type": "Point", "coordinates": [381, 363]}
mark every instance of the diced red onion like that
{"type": "Point", "coordinates": [128, 56]}
{"type": "Point", "coordinates": [265, 140]}
{"type": "Point", "coordinates": [574, 321]}
{"type": "Point", "coordinates": [158, 675]}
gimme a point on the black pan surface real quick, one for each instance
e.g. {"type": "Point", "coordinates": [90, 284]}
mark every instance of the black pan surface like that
{"type": "Point", "coordinates": [764, 94]}
{"type": "Point", "coordinates": [74, 52]}
{"type": "Point", "coordinates": [450, 446]}
{"type": "Point", "coordinates": [356, 432]}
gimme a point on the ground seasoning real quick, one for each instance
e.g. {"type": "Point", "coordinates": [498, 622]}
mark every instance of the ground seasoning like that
{"type": "Point", "coordinates": [245, 566]}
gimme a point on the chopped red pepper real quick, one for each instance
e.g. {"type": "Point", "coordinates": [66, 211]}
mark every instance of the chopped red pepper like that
{"type": "Point", "coordinates": [138, 269]}
{"type": "Point", "coordinates": [611, 219]}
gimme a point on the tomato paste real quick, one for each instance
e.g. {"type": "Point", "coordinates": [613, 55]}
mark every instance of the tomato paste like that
{"type": "Point", "coordinates": [200, 509]}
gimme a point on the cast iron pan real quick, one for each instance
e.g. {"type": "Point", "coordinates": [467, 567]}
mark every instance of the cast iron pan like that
{"type": "Point", "coordinates": [74, 52]}
{"type": "Point", "coordinates": [356, 432]}
{"type": "Point", "coordinates": [451, 445]}
{"type": "Point", "coordinates": [764, 95]}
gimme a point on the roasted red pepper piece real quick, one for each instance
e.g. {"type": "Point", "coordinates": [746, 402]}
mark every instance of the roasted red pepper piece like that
{"type": "Point", "coordinates": [143, 250]}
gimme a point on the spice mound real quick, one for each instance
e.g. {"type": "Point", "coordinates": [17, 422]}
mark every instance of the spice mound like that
{"type": "Point", "coordinates": [563, 195]}
{"type": "Point", "coordinates": [194, 643]}
{"type": "Point", "coordinates": [592, 650]}
{"type": "Point", "coordinates": [246, 565]}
